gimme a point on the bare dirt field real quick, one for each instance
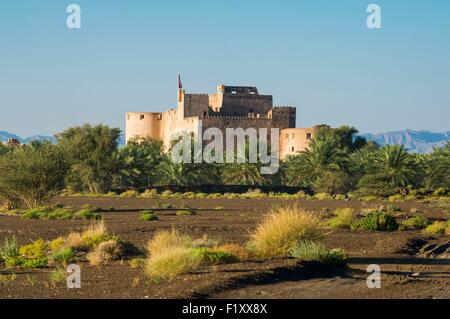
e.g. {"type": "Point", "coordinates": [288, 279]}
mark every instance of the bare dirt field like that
{"type": "Point", "coordinates": [405, 273]}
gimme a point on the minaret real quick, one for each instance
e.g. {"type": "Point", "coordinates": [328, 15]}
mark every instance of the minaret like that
{"type": "Point", "coordinates": [180, 89]}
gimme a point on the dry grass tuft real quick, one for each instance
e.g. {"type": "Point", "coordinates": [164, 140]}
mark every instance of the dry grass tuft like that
{"type": "Point", "coordinates": [166, 240]}
{"type": "Point", "coordinates": [282, 229]}
{"type": "Point", "coordinates": [106, 252]}
{"type": "Point", "coordinates": [173, 262]}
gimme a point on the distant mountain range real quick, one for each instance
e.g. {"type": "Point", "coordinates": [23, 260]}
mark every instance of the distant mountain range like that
{"type": "Point", "coordinates": [414, 141]}
{"type": "Point", "coordinates": [5, 136]}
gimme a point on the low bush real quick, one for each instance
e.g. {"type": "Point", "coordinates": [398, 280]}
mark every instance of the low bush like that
{"type": "Point", "coordinates": [282, 229]}
{"type": "Point", "coordinates": [106, 252]}
{"type": "Point", "coordinates": [49, 213]}
{"type": "Point", "coordinates": [57, 243]}
{"type": "Point", "coordinates": [344, 218]}
{"type": "Point", "coordinates": [185, 212]}
{"type": "Point", "coordinates": [28, 256]}
{"type": "Point", "coordinates": [148, 215]}
{"type": "Point", "coordinates": [33, 263]}
{"type": "Point", "coordinates": [416, 222]}
{"type": "Point", "coordinates": [216, 257]}
{"type": "Point", "coordinates": [63, 256]}
{"type": "Point", "coordinates": [396, 198]}
{"type": "Point", "coordinates": [377, 221]}
{"type": "Point", "coordinates": [311, 251]}
{"type": "Point", "coordinates": [35, 250]}
{"type": "Point", "coordinates": [437, 228]}
{"type": "Point", "coordinates": [87, 214]}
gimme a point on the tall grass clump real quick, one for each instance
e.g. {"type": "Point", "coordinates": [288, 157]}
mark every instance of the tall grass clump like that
{"type": "Point", "coordinates": [282, 229]}
{"type": "Point", "coordinates": [173, 262]}
{"type": "Point", "coordinates": [169, 255]}
{"type": "Point", "coordinates": [166, 240]}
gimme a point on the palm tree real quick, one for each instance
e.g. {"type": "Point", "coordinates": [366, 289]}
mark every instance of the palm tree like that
{"type": "Point", "coordinates": [437, 168]}
{"type": "Point", "coordinates": [392, 172]}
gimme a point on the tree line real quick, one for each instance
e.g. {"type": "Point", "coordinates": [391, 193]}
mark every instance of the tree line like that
{"type": "Point", "coordinates": [88, 159]}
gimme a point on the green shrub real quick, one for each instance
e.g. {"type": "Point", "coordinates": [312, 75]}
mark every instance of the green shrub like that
{"type": "Point", "coordinates": [56, 244]}
{"type": "Point", "coordinates": [148, 215]}
{"type": "Point", "coordinates": [311, 251]}
{"type": "Point", "coordinates": [58, 214]}
{"type": "Point", "coordinates": [35, 250]}
{"type": "Point", "coordinates": [416, 222]}
{"type": "Point", "coordinates": [377, 221]}
{"type": "Point", "coordinates": [87, 215]}
{"type": "Point", "coordinates": [64, 256]}
{"type": "Point", "coordinates": [344, 218]}
{"type": "Point", "coordinates": [212, 257]}
{"type": "Point", "coordinates": [166, 206]}
{"type": "Point", "coordinates": [34, 263]}
{"type": "Point", "coordinates": [185, 212]}
{"type": "Point", "coordinates": [436, 228]}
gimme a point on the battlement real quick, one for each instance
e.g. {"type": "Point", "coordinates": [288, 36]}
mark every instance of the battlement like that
{"type": "Point", "coordinates": [282, 107]}
{"type": "Point", "coordinates": [196, 95]}
{"type": "Point", "coordinates": [224, 89]}
{"type": "Point", "coordinates": [228, 117]}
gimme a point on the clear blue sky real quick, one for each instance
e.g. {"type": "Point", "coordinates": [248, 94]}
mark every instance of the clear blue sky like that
{"type": "Point", "coordinates": [314, 54]}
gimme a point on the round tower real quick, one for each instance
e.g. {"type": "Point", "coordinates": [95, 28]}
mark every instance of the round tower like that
{"type": "Point", "coordinates": [143, 124]}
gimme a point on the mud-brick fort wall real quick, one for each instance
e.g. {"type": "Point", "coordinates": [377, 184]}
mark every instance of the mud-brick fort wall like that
{"type": "Point", "coordinates": [231, 107]}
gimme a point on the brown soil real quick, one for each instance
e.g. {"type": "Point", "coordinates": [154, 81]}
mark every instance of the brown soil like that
{"type": "Point", "coordinates": [405, 274]}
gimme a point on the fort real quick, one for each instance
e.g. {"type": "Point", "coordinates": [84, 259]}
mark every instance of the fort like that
{"type": "Point", "coordinates": [230, 107]}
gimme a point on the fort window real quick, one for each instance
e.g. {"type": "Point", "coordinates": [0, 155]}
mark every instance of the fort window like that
{"type": "Point", "coordinates": [286, 137]}
{"type": "Point", "coordinates": [293, 149]}
{"type": "Point", "coordinates": [160, 117]}
{"type": "Point", "coordinates": [308, 136]}
{"type": "Point", "coordinates": [204, 113]}
{"type": "Point", "coordinates": [141, 117]}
